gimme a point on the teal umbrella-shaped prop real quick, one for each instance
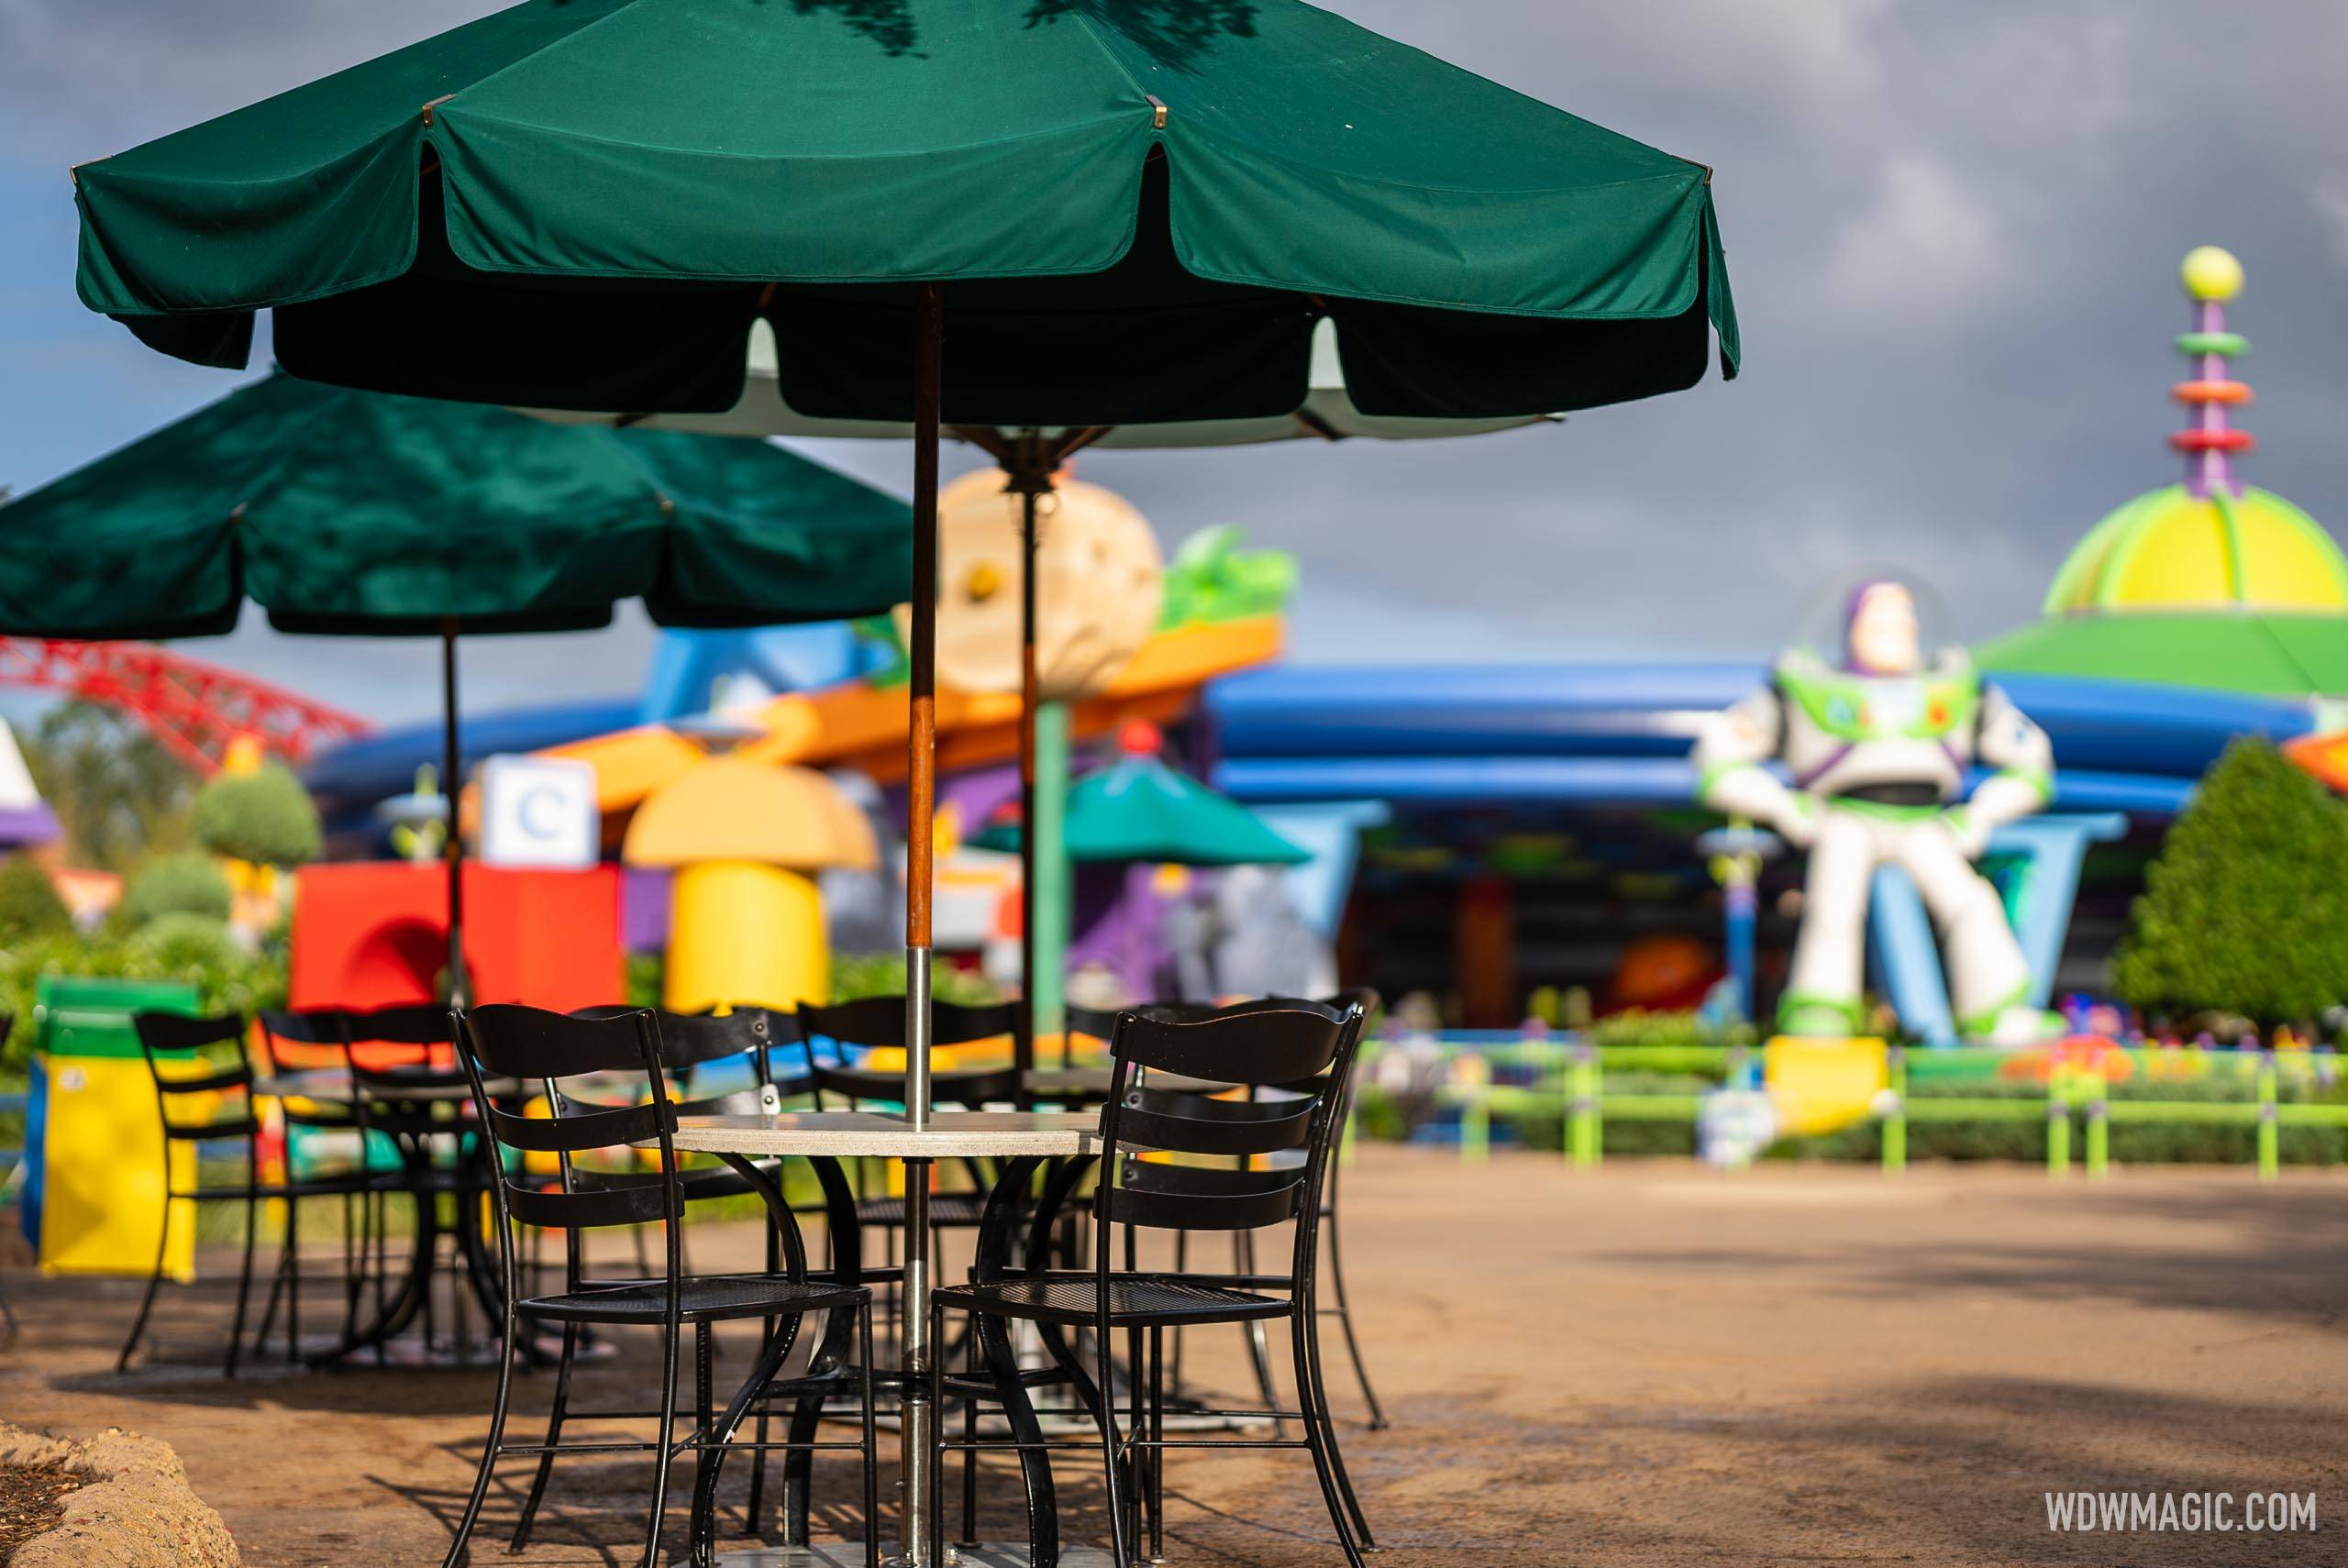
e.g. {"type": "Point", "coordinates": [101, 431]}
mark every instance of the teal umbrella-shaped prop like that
{"type": "Point", "coordinates": [355, 514]}
{"type": "Point", "coordinates": [1141, 814]}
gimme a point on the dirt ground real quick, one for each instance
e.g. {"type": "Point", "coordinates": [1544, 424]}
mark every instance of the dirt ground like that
{"type": "Point", "coordinates": [1650, 1364]}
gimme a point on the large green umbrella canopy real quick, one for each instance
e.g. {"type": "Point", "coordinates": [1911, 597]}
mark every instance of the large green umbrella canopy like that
{"type": "Point", "coordinates": [1141, 210]}
{"type": "Point", "coordinates": [357, 512]}
{"type": "Point", "coordinates": [360, 513]}
{"type": "Point", "coordinates": [1139, 810]}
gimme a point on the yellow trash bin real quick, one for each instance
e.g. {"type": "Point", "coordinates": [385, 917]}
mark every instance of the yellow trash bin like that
{"type": "Point", "coordinates": [95, 1178]}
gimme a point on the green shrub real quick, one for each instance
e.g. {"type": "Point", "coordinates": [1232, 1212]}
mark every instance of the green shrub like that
{"type": "Point", "coordinates": [883, 975]}
{"type": "Point", "coordinates": [29, 906]}
{"type": "Point", "coordinates": [187, 883]}
{"type": "Point", "coordinates": [1637, 1026]}
{"type": "Point", "coordinates": [264, 816]}
{"type": "Point", "coordinates": [179, 940]}
{"type": "Point", "coordinates": [2246, 908]}
{"type": "Point", "coordinates": [227, 980]}
{"type": "Point", "coordinates": [646, 974]}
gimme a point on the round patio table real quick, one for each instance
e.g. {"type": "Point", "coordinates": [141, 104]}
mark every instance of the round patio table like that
{"type": "Point", "coordinates": [876, 1134]}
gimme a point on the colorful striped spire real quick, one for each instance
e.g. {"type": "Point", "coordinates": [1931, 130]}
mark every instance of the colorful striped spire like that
{"type": "Point", "coordinates": [2212, 277]}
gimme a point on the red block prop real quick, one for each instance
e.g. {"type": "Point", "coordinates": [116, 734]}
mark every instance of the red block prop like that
{"type": "Point", "coordinates": [368, 934]}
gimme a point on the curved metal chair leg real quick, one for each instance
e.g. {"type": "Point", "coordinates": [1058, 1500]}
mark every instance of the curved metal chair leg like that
{"type": "Point", "coordinates": [554, 1435]}
{"type": "Point", "coordinates": [661, 1454]}
{"type": "Point", "coordinates": [1309, 1321]}
{"type": "Point", "coordinates": [458, 1547]}
{"type": "Point", "coordinates": [1118, 1555]}
{"type": "Point", "coordinates": [716, 1432]}
{"type": "Point", "coordinates": [269, 1307]}
{"type": "Point", "coordinates": [1316, 1436]}
{"type": "Point", "coordinates": [1019, 1413]}
{"type": "Point", "coordinates": [154, 1281]}
{"type": "Point", "coordinates": [244, 1287]}
{"type": "Point", "coordinates": [1345, 1315]}
{"type": "Point", "coordinates": [489, 1453]}
{"type": "Point", "coordinates": [291, 1251]}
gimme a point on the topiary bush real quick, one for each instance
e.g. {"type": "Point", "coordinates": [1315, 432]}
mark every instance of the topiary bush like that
{"type": "Point", "coordinates": [186, 883]}
{"type": "Point", "coordinates": [2246, 908]}
{"type": "Point", "coordinates": [179, 939]}
{"type": "Point", "coordinates": [29, 906]}
{"type": "Point", "coordinates": [264, 816]}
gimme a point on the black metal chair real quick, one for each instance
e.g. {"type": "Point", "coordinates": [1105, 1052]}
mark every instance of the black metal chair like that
{"type": "Point", "coordinates": [690, 1045]}
{"type": "Point", "coordinates": [175, 1047]}
{"type": "Point", "coordinates": [1100, 1024]}
{"type": "Point", "coordinates": [1298, 1045]}
{"type": "Point", "coordinates": [530, 1044]}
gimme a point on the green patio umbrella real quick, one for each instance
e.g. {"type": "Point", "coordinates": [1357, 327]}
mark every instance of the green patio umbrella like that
{"type": "Point", "coordinates": [1139, 810]}
{"type": "Point", "coordinates": [361, 513]}
{"type": "Point", "coordinates": [1137, 212]}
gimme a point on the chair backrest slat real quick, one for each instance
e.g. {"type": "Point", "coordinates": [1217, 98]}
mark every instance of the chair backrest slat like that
{"type": "Point", "coordinates": [1201, 1124]}
{"type": "Point", "coordinates": [1206, 1197]}
{"type": "Point", "coordinates": [881, 1020]}
{"type": "Point", "coordinates": [1266, 1043]}
{"type": "Point", "coordinates": [555, 1210]}
{"type": "Point", "coordinates": [581, 1132]}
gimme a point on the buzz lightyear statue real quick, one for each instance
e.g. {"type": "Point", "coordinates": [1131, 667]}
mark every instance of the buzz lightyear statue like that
{"type": "Point", "coordinates": [1878, 750]}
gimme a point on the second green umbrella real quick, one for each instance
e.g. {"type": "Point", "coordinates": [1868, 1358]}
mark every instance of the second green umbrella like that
{"type": "Point", "coordinates": [358, 513]}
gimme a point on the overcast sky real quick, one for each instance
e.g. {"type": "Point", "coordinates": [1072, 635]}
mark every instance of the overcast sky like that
{"type": "Point", "coordinates": [1952, 224]}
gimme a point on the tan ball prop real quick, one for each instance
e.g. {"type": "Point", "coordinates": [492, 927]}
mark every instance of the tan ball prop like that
{"type": "Point", "coordinates": [1097, 586]}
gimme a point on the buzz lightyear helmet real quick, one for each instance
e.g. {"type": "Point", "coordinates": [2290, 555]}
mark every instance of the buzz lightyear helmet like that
{"type": "Point", "coordinates": [1875, 623]}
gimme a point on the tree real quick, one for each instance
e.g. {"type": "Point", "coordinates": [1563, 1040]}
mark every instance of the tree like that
{"type": "Point", "coordinates": [265, 817]}
{"type": "Point", "coordinates": [29, 903]}
{"type": "Point", "coordinates": [2246, 908]}
{"type": "Point", "coordinates": [119, 796]}
{"type": "Point", "coordinates": [185, 883]}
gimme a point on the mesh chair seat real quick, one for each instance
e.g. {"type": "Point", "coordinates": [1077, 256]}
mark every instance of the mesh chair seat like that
{"type": "Point", "coordinates": [945, 1209]}
{"type": "Point", "coordinates": [1135, 1301]}
{"type": "Point", "coordinates": [707, 1299]}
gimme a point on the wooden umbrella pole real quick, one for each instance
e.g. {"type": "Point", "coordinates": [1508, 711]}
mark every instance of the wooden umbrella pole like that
{"type": "Point", "coordinates": [452, 852]}
{"type": "Point", "coordinates": [921, 736]}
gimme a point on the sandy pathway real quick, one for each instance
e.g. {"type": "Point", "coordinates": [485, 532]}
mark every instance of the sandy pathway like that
{"type": "Point", "coordinates": [1651, 1364]}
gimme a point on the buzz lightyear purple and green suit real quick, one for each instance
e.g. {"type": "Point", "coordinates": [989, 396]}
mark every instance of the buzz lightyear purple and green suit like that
{"type": "Point", "coordinates": [1878, 764]}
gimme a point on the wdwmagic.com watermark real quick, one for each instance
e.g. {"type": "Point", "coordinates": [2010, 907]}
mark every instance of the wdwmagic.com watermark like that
{"type": "Point", "coordinates": [2184, 1513]}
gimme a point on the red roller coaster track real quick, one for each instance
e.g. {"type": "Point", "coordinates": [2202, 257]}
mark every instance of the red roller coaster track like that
{"type": "Point", "coordinates": [195, 709]}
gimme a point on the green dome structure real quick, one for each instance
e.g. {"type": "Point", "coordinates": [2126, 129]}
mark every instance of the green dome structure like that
{"type": "Point", "coordinates": [2208, 582]}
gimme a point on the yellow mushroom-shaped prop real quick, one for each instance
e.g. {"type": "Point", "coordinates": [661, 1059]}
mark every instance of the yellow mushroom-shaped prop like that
{"type": "Point", "coordinates": [746, 921]}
